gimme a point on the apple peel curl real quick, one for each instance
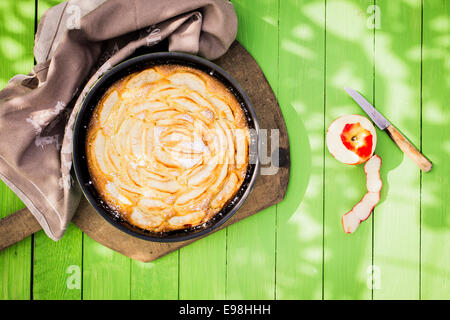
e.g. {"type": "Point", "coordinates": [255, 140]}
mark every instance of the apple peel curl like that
{"type": "Point", "coordinates": [362, 210]}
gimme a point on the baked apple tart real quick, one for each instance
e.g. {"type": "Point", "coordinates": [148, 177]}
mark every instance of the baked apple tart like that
{"type": "Point", "coordinates": [167, 147]}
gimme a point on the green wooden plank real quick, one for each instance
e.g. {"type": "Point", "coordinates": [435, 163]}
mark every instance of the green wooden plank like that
{"type": "Point", "coordinates": [251, 243]}
{"type": "Point", "coordinates": [16, 56]}
{"type": "Point", "coordinates": [156, 280]}
{"type": "Point", "coordinates": [397, 96]}
{"type": "Point", "coordinates": [57, 266]}
{"type": "Point", "coordinates": [203, 268]}
{"type": "Point", "coordinates": [160, 273]}
{"type": "Point", "coordinates": [349, 62]}
{"type": "Point", "coordinates": [15, 261]}
{"type": "Point", "coordinates": [301, 96]}
{"type": "Point", "coordinates": [106, 273]}
{"type": "Point", "coordinates": [435, 264]}
{"type": "Point", "coordinates": [251, 257]}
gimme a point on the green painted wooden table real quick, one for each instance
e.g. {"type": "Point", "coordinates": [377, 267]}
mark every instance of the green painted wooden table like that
{"type": "Point", "coordinates": [397, 54]}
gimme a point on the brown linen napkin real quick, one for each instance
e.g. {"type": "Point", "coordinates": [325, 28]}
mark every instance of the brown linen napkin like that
{"type": "Point", "coordinates": [76, 42]}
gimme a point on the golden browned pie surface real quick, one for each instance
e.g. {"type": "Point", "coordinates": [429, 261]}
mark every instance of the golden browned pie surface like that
{"type": "Point", "coordinates": [167, 147]}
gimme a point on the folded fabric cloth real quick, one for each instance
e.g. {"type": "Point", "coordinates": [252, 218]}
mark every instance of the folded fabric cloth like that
{"type": "Point", "coordinates": [76, 42]}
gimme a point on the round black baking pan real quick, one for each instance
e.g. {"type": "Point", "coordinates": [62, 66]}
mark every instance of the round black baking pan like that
{"type": "Point", "coordinates": [82, 121]}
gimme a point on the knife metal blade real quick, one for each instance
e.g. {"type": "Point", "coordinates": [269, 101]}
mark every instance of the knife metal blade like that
{"type": "Point", "coordinates": [376, 117]}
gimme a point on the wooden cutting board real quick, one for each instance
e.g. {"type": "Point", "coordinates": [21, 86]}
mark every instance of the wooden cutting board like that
{"type": "Point", "coordinates": [268, 190]}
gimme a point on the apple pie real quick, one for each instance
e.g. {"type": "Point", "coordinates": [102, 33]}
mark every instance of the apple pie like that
{"type": "Point", "coordinates": [168, 147]}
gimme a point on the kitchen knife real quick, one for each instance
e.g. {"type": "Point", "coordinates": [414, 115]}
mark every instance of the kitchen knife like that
{"type": "Point", "coordinates": [400, 140]}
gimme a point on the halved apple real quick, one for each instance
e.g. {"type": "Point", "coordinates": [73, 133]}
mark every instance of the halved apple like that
{"type": "Point", "coordinates": [351, 139]}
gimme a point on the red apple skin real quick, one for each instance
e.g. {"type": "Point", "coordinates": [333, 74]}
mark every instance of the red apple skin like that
{"type": "Point", "coordinates": [364, 152]}
{"type": "Point", "coordinates": [374, 139]}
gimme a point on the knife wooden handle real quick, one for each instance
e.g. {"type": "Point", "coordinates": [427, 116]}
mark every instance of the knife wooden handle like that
{"type": "Point", "coordinates": [408, 148]}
